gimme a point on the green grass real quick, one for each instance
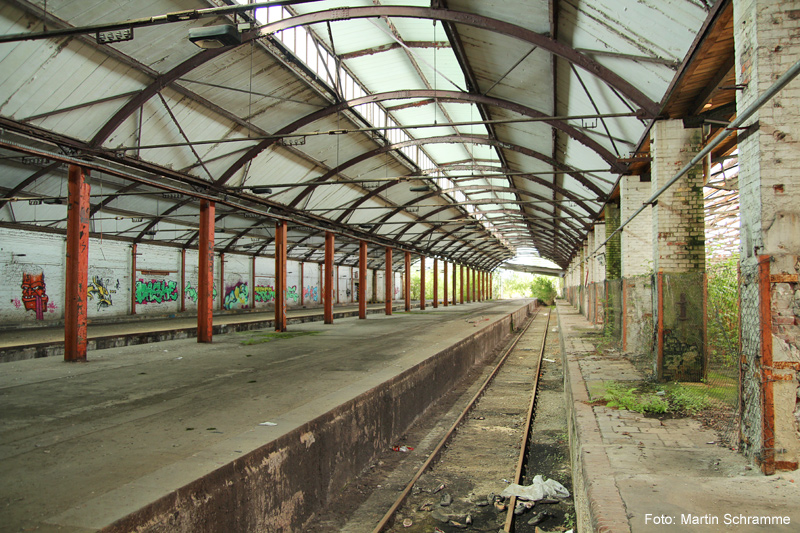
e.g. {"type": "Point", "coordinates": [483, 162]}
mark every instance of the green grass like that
{"type": "Point", "coordinates": [262, 337]}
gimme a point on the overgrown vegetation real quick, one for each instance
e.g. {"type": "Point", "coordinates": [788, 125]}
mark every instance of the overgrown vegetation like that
{"type": "Point", "coordinates": [723, 312]}
{"type": "Point", "coordinates": [672, 398]}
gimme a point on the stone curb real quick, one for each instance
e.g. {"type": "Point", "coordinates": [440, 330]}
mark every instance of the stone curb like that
{"type": "Point", "coordinates": [598, 503]}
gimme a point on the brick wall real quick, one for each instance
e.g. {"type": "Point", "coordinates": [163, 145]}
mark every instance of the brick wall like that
{"type": "Point", "coordinates": [637, 237]}
{"type": "Point", "coordinates": [678, 218]}
{"type": "Point", "coordinates": [767, 43]}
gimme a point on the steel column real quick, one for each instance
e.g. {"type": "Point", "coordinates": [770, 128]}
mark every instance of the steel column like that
{"type": "Point", "coordinates": [133, 278]}
{"type": "Point", "coordinates": [362, 280]}
{"type": "Point", "coordinates": [461, 279]}
{"type": "Point", "coordinates": [327, 291]}
{"type": "Point", "coordinates": [252, 296]}
{"type": "Point", "coordinates": [422, 283]}
{"type": "Point", "coordinates": [455, 286]}
{"type": "Point", "coordinates": [205, 270]}
{"type": "Point", "coordinates": [407, 281]}
{"type": "Point", "coordinates": [444, 280]}
{"type": "Point", "coordinates": [280, 274]}
{"type": "Point", "coordinates": [435, 283]}
{"type": "Point", "coordinates": [75, 294]}
{"type": "Point", "coordinates": [221, 292]}
{"type": "Point", "coordinates": [389, 282]}
{"type": "Point", "coordinates": [183, 281]}
{"type": "Point", "coordinates": [302, 285]}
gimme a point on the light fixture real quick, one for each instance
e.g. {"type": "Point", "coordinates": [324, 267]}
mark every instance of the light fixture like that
{"type": "Point", "coordinates": [215, 36]}
{"type": "Point", "coordinates": [53, 201]}
{"type": "Point", "coordinates": [420, 188]}
{"type": "Point", "coordinates": [260, 190]}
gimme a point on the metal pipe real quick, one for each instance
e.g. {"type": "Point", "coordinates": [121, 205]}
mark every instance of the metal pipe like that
{"type": "Point", "coordinates": [779, 84]}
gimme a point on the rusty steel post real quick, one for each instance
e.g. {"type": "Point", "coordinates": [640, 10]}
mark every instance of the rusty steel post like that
{"type": "Point", "coordinates": [302, 285]}
{"type": "Point", "coordinates": [389, 282]}
{"type": "Point", "coordinates": [435, 283]}
{"type": "Point", "coordinates": [444, 284]}
{"type": "Point", "coordinates": [75, 294]}
{"type": "Point", "coordinates": [182, 307]}
{"type": "Point", "coordinates": [407, 282]}
{"type": "Point", "coordinates": [469, 294]}
{"type": "Point", "coordinates": [461, 279]}
{"type": "Point", "coordinates": [362, 279]}
{"type": "Point", "coordinates": [221, 291]}
{"type": "Point", "coordinates": [205, 270]}
{"type": "Point", "coordinates": [327, 290]}
{"type": "Point", "coordinates": [280, 275]}
{"type": "Point", "coordinates": [133, 278]}
{"type": "Point", "coordinates": [422, 283]}
{"type": "Point", "coordinates": [455, 286]}
{"type": "Point", "coordinates": [252, 299]}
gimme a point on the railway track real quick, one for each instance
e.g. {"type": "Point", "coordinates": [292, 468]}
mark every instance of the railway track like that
{"type": "Point", "coordinates": [457, 486]}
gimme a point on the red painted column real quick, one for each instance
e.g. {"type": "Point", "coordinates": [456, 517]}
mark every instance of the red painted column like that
{"type": "Point", "coordinates": [133, 278]}
{"type": "Point", "coordinates": [280, 275]}
{"type": "Point", "coordinates": [455, 287]}
{"type": "Point", "coordinates": [75, 294]}
{"type": "Point", "coordinates": [444, 280]}
{"type": "Point", "coordinates": [205, 271]}
{"type": "Point", "coordinates": [461, 279]}
{"type": "Point", "coordinates": [389, 282]}
{"type": "Point", "coordinates": [252, 301]}
{"type": "Point", "coordinates": [474, 291]}
{"type": "Point", "coordinates": [221, 292]}
{"type": "Point", "coordinates": [469, 294]}
{"type": "Point", "coordinates": [435, 283]}
{"type": "Point", "coordinates": [183, 280]}
{"type": "Point", "coordinates": [422, 283]}
{"type": "Point", "coordinates": [327, 290]}
{"type": "Point", "coordinates": [407, 282]}
{"type": "Point", "coordinates": [362, 280]}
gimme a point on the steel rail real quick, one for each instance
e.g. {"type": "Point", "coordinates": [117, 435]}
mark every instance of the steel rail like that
{"type": "Point", "coordinates": [387, 518]}
{"type": "Point", "coordinates": [523, 451]}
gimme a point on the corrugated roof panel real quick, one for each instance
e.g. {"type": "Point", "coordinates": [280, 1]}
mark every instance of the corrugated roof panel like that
{"type": "Point", "coordinates": [531, 14]}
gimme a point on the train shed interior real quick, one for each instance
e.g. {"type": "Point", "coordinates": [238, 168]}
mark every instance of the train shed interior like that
{"type": "Point", "coordinates": [202, 200]}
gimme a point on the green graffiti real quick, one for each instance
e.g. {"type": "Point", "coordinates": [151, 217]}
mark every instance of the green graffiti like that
{"type": "Point", "coordinates": [156, 291]}
{"type": "Point", "coordinates": [236, 296]}
{"type": "Point", "coordinates": [291, 294]}
{"type": "Point", "coordinates": [191, 292]}
{"type": "Point", "coordinates": [265, 293]}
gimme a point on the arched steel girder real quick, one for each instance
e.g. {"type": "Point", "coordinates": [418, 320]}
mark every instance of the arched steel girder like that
{"type": "Point", "coordinates": [449, 139]}
{"type": "Point", "coordinates": [471, 19]}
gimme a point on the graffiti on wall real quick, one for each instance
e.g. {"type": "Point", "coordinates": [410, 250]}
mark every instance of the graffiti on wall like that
{"type": "Point", "coordinates": [34, 294]}
{"type": "Point", "coordinates": [265, 293]}
{"type": "Point", "coordinates": [291, 294]}
{"type": "Point", "coordinates": [156, 291]}
{"type": "Point", "coordinates": [236, 297]}
{"type": "Point", "coordinates": [311, 294]}
{"type": "Point", "coordinates": [191, 292]}
{"type": "Point", "coordinates": [98, 290]}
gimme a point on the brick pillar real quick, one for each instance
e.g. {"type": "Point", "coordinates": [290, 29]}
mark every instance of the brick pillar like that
{"type": "Point", "coordinates": [636, 266]}
{"type": "Point", "coordinates": [678, 254]}
{"type": "Point", "coordinates": [766, 46]}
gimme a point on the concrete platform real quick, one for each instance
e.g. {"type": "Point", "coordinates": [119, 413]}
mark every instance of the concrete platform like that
{"type": "Point", "coordinates": [249, 433]}
{"type": "Point", "coordinates": [634, 473]}
{"type": "Point", "coordinates": [33, 341]}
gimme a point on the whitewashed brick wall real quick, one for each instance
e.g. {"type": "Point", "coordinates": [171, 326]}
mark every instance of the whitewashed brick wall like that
{"type": "Point", "coordinates": [637, 236]}
{"type": "Point", "coordinates": [678, 218]}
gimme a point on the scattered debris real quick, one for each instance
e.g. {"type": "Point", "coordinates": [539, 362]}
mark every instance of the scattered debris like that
{"type": "Point", "coordinates": [403, 449]}
{"type": "Point", "coordinates": [440, 487]}
{"type": "Point", "coordinates": [537, 490]}
{"type": "Point", "coordinates": [268, 424]}
{"type": "Point", "coordinates": [446, 500]}
{"type": "Point", "coordinates": [407, 522]}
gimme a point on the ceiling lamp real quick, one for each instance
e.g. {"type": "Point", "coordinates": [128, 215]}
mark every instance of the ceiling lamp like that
{"type": "Point", "coordinates": [215, 36]}
{"type": "Point", "coordinates": [260, 190]}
